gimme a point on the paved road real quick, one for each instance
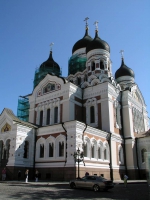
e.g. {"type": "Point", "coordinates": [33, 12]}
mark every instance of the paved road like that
{"type": "Point", "coordinates": [14, 190]}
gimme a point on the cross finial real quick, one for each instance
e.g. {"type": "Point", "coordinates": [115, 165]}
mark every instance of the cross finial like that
{"type": "Point", "coordinates": [51, 45]}
{"type": "Point", "coordinates": [121, 51]}
{"type": "Point", "coordinates": [86, 19]}
{"type": "Point", "coordinates": [96, 25]}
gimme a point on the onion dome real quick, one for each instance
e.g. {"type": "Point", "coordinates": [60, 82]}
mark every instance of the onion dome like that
{"type": "Point", "coordinates": [97, 43]}
{"type": "Point", "coordinates": [124, 71]}
{"type": "Point", "coordinates": [83, 42]}
{"type": "Point", "coordinates": [50, 64]}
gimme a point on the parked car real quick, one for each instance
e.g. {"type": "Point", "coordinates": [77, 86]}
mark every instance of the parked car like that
{"type": "Point", "coordinates": [92, 182]}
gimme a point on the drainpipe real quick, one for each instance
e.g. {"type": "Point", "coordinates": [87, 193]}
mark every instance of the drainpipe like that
{"type": "Point", "coordinates": [85, 125]}
{"type": "Point", "coordinates": [83, 142]}
{"type": "Point", "coordinates": [66, 149]}
{"type": "Point", "coordinates": [124, 147]}
{"type": "Point", "coordinates": [66, 143]}
{"type": "Point", "coordinates": [82, 108]}
{"type": "Point", "coordinates": [136, 139]}
{"type": "Point", "coordinates": [34, 151]}
{"type": "Point", "coordinates": [110, 164]}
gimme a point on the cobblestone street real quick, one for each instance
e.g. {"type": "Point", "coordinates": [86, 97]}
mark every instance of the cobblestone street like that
{"type": "Point", "coordinates": [44, 191]}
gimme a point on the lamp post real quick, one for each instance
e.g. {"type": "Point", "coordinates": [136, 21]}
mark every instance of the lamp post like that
{"type": "Point", "coordinates": [78, 157]}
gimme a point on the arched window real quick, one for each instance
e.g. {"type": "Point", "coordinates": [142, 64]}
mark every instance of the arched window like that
{"type": "Point", "coordinates": [52, 86]}
{"type": "Point", "coordinates": [61, 149]}
{"type": "Point", "coordinates": [41, 117]}
{"type": "Point", "coordinates": [92, 151]}
{"type": "Point", "coordinates": [48, 117]}
{"type": "Point", "coordinates": [26, 149]}
{"type": "Point", "coordinates": [92, 114]}
{"type": "Point", "coordinates": [87, 147]}
{"type": "Point", "coordinates": [79, 80]}
{"type": "Point", "coordinates": [7, 148]}
{"type": "Point", "coordinates": [101, 65]}
{"type": "Point", "coordinates": [85, 150]}
{"type": "Point", "coordinates": [85, 78]}
{"type": "Point", "coordinates": [51, 150]}
{"type": "Point", "coordinates": [105, 154]}
{"type": "Point", "coordinates": [99, 153]}
{"type": "Point", "coordinates": [56, 115]}
{"type": "Point", "coordinates": [6, 129]}
{"type": "Point", "coordinates": [143, 151]}
{"type": "Point", "coordinates": [119, 155]}
{"type": "Point", "coordinates": [93, 66]}
{"type": "Point", "coordinates": [49, 87]}
{"type": "Point", "coordinates": [41, 150]}
{"type": "Point", "coordinates": [121, 159]}
{"type": "Point", "coordinates": [1, 149]}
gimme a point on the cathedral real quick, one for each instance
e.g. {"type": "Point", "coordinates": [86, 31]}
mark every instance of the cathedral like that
{"type": "Point", "coordinates": [90, 121]}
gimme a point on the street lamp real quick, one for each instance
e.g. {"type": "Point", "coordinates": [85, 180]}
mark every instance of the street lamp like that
{"type": "Point", "coordinates": [78, 157]}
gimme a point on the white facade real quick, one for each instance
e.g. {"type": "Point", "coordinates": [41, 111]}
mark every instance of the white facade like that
{"type": "Point", "coordinates": [89, 110]}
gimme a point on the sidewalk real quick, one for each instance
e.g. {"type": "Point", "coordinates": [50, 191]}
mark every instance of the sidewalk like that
{"type": "Point", "coordinates": [40, 182]}
{"type": "Point", "coordinates": [130, 181]}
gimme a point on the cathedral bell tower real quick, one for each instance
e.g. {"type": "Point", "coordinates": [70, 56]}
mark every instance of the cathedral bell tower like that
{"type": "Point", "coordinates": [77, 62]}
{"type": "Point", "coordinates": [98, 56]}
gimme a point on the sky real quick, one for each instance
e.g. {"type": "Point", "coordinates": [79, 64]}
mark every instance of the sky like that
{"type": "Point", "coordinates": [28, 27]}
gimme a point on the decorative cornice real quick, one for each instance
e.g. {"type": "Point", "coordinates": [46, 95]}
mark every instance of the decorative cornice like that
{"type": "Point", "coordinates": [50, 129]}
{"type": "Point", "coordinates": [96, 132]}
{"type": "Point", "coordinates": [97, 52]}
{"type": "Point", "coordinates": [74, 125]}
{"type": "Point", "coordinates": [81, 51]}
{"type": "Point", "coordinates": [125, 78]}
{"type": "Point", "coordinates": [116, 137]}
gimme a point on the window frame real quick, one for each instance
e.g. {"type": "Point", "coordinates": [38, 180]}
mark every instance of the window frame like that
{"type": "Point", "coordinates": [55, 114]}
{"type": "Point", "coordinates": [48, 112]}
{"type": "Point", "coordinates": [143, 151]}
{"type": "Point", "coordinates": [26, 149]}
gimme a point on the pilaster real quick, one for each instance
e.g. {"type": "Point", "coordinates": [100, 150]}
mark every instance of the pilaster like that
{"type": "Point", "coordinates": [74, 139]}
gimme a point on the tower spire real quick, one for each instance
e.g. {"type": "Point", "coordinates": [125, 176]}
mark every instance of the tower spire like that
{"type": "Point", "coordinates": [96, 26]}
{"type": "Point", "coordinates": [121, 51]}
{"type": "Point", "coordinates": [51, 45]}
{"type": "Point", "coordinates": [50, 55]}
{"type": "Point", "coordinates": [86, 25]}
{"type": "Point", "coordinates": [122, 57]}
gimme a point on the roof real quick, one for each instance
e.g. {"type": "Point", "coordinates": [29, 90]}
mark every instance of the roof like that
{"type": "Point", "coordinates": [50, 63]}
{"type": "Point", "coordinates": [82, 43]}
{"type": "Point", "coordinates": [97, 43]}
{"type": "Point", "coordinates": [63, 79]}
{"type": "Point", "coordinates": [49, 66]}
{"type": "Point", "coordinates": [124, 71]}
{"type": "Point", "coordinates": [144, 134]}
{"type": "Point", "coordinates": [16, 119]}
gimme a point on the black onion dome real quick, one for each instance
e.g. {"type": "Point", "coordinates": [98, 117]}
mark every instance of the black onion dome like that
{"type": "Point", "coordinates": [47, 67]}
{"type": "Point", "coordinates": [83, 42]}
{"type": "Point", "coordinates": [50, 63]}
{"type": "Point", "coordinates": [124, 71]}
{"type": "Point", "coordinates": [97, 43]}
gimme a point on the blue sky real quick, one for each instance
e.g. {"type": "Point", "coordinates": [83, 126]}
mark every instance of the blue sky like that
{"type": "Point", "coordinates": [28, 27]}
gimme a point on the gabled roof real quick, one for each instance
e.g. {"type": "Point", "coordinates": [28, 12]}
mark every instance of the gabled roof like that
{"type": "Point", "coordinates": [144, 134]}
{"type": "Point", "coordinates": [64, 80]}
{"type": "Point", "coordinates": [16, 119]}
